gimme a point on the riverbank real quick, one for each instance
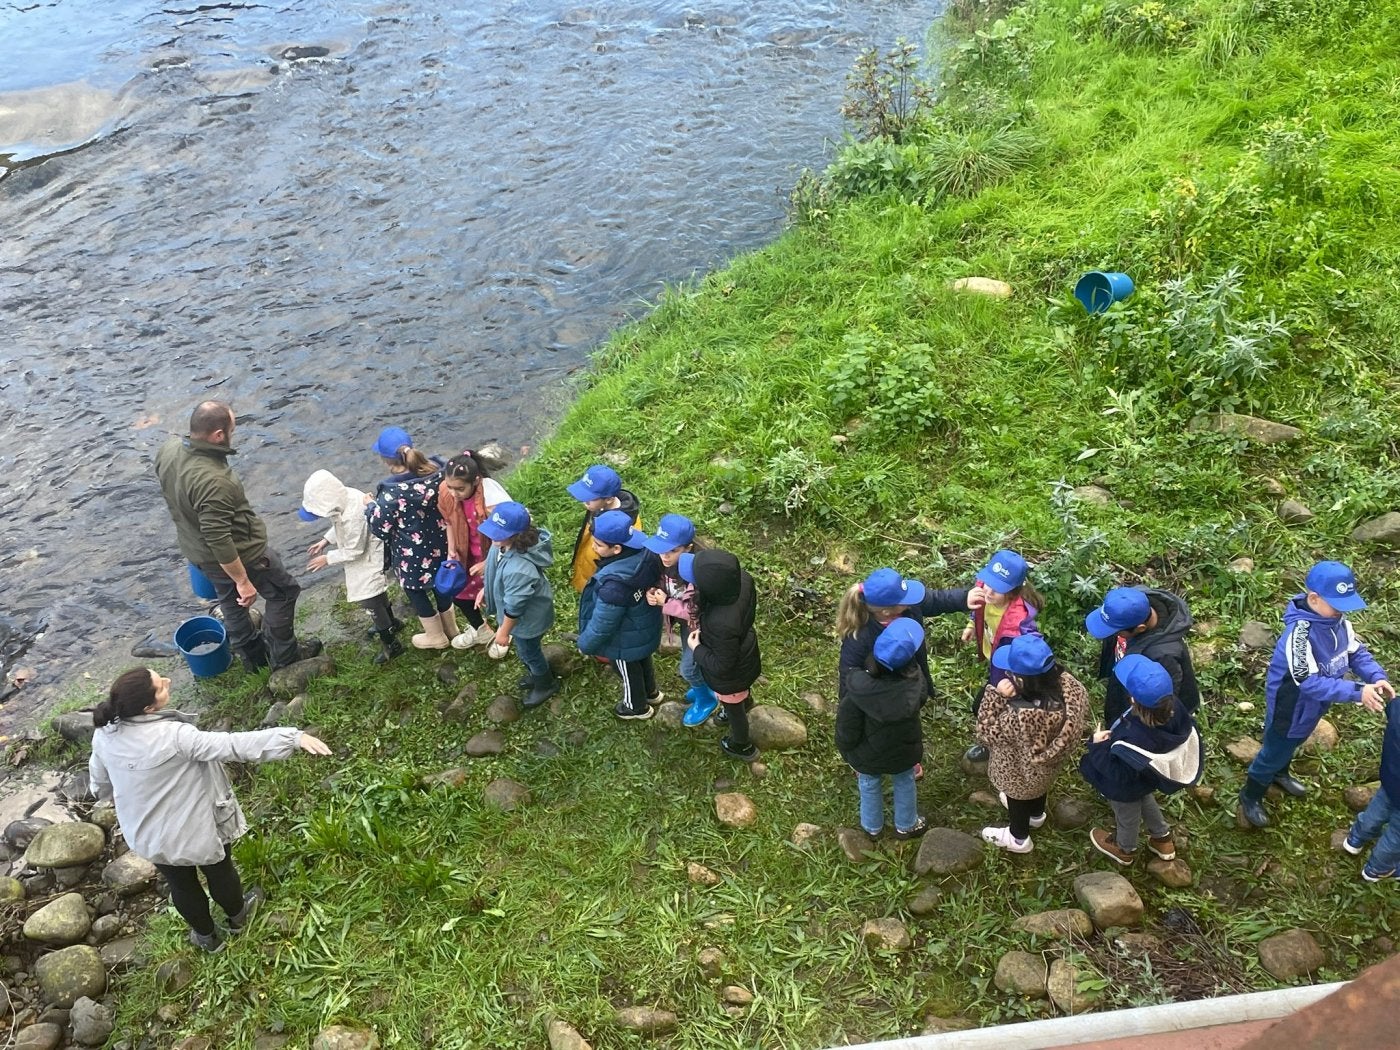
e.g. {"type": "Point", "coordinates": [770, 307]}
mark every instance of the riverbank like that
{"type": "Point", "coordinates": [830, 405]}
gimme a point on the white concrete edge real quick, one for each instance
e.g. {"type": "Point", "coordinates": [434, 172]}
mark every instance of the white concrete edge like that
{"type": "Point", "coordinates": [1117, 1024]}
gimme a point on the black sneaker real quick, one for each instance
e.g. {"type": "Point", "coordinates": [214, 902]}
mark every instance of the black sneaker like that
{"type": "Point", "coordinates": [920, 826]}
{"type": "Point", "coordinates": [251, 900]}
{"type": "Point", "coordinates": [207, 942]}
{"type": "Point", "coordinates": [627, 714]}
{"type": "Point", "coordinates": [748, 754]}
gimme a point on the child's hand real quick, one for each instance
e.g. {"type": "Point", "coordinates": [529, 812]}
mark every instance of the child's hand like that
{"type": "Point", "coordinates": [317, 564]}
{"type": "Point", "coordinates": [1006, 687]}
{"type": "Point", "coordinates": [317, 547]}
{"type": "Point", "coordinates": [976, 598]}
{"type": "Point", "coordinates": [967, 633]}
{"type": "Point", "coordinates": [1100, 735]}
{"type": "Point", "coordinates": [656, 596]}
{"type": "Point", "coordinates": [1374, 696]}
{"type": "Point", "coordinates": [478, 568]}
{"type": "Point", "coordinates": [694, 639]}
{"type": "Point", "coordinates": [480, 602]}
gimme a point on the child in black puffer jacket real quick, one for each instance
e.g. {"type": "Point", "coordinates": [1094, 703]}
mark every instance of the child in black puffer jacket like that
{"type": "Point", "coordinates": [725, 644]}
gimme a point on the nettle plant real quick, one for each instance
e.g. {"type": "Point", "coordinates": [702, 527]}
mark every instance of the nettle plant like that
{"type": "Point", "coordinates": [892, 386]}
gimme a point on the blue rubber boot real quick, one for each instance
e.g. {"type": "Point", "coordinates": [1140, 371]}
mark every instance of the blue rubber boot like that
{"type": "Point", "coordinates": [702, 706]}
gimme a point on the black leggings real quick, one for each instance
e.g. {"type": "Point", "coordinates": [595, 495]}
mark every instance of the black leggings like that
{"type": "Point", "coordinates": [467, 607]}
{"type": "Point", "coordinates": [427, 604]}
{"type": "Point", "coordinates": [737, 717]}
{"type": "Point", "coordinates": [378, 608]}
{"type": "Point", "coordinates": [1022, 810]}
{"type": "Point", "coordinates": [188, 895]}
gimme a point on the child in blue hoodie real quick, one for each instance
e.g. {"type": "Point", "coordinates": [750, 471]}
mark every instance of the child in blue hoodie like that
{"type": "Point", "coordinates": [1381, 819]}
{"type": "Point", "coordinates": [1154, 746]}
{"type": "Point", "coordinates": [517, 593]}
{"type": "Point", "coordinates": [1317, 647]}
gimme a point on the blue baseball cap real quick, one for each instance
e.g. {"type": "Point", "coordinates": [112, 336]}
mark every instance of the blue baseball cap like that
{"type": "Point", "coordinates": [674, 530]}
{"type": "Point", "coordinates": [306, 515]}
{"type": "Point", "coordinates": [615, 527]}
{"type": "Point", "coordinates": [1146, 680]}
{"type": "Point", "coordinates": [686, 567]}
{"type": "Point", "coordinates": [390, 440]}
{"type": "Point", "coordinates": [1336, 585]}
{"type": "Point", "coordinates": [598, 482]}
{"type": "Point", "coordinates": [505, 520]}
{"type": "Point", "coordinates": [1028, 654]}
{"type": "Point", "coordinates": [898, 643]}
{"type": "Point", "coordinates": [1123, 609]}
{"type": "Point", "coordinates": [1005, 571]}
{"type": "Point", "coordinates": [886, 587]}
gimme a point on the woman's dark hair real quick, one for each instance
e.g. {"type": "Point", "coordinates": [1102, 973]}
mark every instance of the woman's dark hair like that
{"type": "Point", "coordinates": [1043, 689]}
{"type": "Point", "coordinates": [466, 466]}
{"type": "Point", "coordinates": [131, 694]}
{"type": "Point", "coordinates": [524, 539]}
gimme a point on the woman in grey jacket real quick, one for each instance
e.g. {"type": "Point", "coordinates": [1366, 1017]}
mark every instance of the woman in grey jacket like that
{"type": "Point", "coordinates": [174, 801]}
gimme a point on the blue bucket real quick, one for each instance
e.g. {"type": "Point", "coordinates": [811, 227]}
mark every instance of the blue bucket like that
{"type": "Point", "coordinates": [202, 586]}
{"type": "Point", "coordinates": [203, 643]}
{"type": "Point", "coordinates": [1097, 290]}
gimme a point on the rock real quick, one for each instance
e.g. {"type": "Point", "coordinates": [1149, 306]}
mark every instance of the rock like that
{"type": "Point", "coordinates": [276, 715]}
{"type": "Point", "coordinates": [1242, 564]}
{"type": "Point", "coordinates": [11, 890]}
{"type": "Point", "coordinates": [564, 1036]}
{"type": "Point", "coordinates": [1109, 899]}
{"type": "Point", "coordinates": [268, 1041]}
{"type": "Point", "coordinates": [503, 710]}
{"type": "Point", "coordinates": [1063, 986]}
{"type": "Point", "coordinates": [646, 1019]}
{"type": "Point", "coordinates": [945, 851]}
{"type": "Point", "coordinates": [170, 1013]}
{"type": "Point", "coordinates": [926, 902]}
{"type": "Point", "coordinates": [1174, 873]}
{"type": "Point", "coordinates": [563, 660]}
{"type": "Point", "coordinates": [885, 935]}
{"type": "Point", "coordinates": [1245, 705]}
{"type": "Point", "coordinates": [341, 1037]}
{"type": "Point", "coordinates": [458, 712]}
{"type": "Point", "coordinates": [776, 728]}
{"type": "Point", "coordinates": [68, 878]}
{"type": "Point", "coordinates": [296, 711]}
{"type": "Point", "coordinates": [20, 833]}
{"type": "Point", "coordinates": [935, 1025]}
{"type": "Point", "coordinates": [154, 647]}
{"type": "Point", "coordinates": [39, 1037]}
{"type": "Point", "coordinates": [1062, 922]}
{"type": "Point", "coordinates": [487, 742]}
{"type": "Point", "coordinates": [1070, 814]}
{"type": "Point", "coordinates": [1251, 428]}
{"type": "Point", "coordinates": [75, 726]}
{"type": "Point", "coordinates": [494, 456]}
{"type": "Point", "coordinates": [92, 1022]}
{"type": "Point", "coordinates": [735, 810]}
{"type": "Point", "coordinates": [71, 973]}
{"type": "Point", "coordinates": [66, 845]}
{"type": "Point", "coordinates": [988, 286]}
{"type": "Point", "coordinates": [1292, 512]}
{"type": "Point", "coordinates": [757, 770]}
{"type": "Point", "coordinates": [1357, 797]}
{"type": "Point", "coordinates": [104, 815]}
{"type": "Point", "coordinates": [1203, 654]}
{"type": "Point", "coordinates": [1021, 973]}
{"type": "Point", "coordinates": [701, 875]}
{"type": "Point", "coordinates": [1385, 529]}
{"type": "Point", "coordinates": [547, 748]}
{"type": "Point", "coordinates": [506, 795]}
{"type": "Point", "coordinates": [292, 679]}
{"type": "Point", "coordinates": [1243, 750]}
{"type": "Point", "coordinates": [736, 995]}
{"type": "Point", "coordinates": [1256, 635]}
{"type": "Point", "coordinates": [1324, 738]}
{"type": "Point", "coordinates": [174, 975]}
{"type": "Point", "coordinates": [447, 674]}
{"type": "Point", "coordinates": [61, 921]}
{"type": "Point", "coordinates": [1290, 955]}
{"type": "Point", "coordinates": [577, 738]}
{"type": "Point", "coordinates": [816, 703]}
{"type": "Point", "coordinates": [1272, 487]}
{"type": "Point", "coordinates": [128, 875]}
{"type": "Point", "coordinates": [1095, 494]}
{"type": "Point", "coordinates": [453, 778]}
{"type": "Point", "coordinates": [971, 768]}
{"type": "Point", "coordinates": [984, 798]}
{"type": "Point", "coordinates": [122, 954]}
{"type": "Point", "coordinates": [854, 844]}
{"type": "Point", "coordinates": [1137, 943]}
{"type": "Point", "coordinates": [802, 836]}
{"type": "Point", "coordinates": [1338, 838]}
{"type": "Point", "coordinates": [670, 714]}
{"type": "Point", "coordinates": [1202, 793]}
{"type": "Point", "coordinates": [76, 788]}
{"type": "Point", "coordinates": [711, 962]}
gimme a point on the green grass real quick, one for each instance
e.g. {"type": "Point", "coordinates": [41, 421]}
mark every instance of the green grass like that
{"type": "Point", "coordinates": [826, 406]}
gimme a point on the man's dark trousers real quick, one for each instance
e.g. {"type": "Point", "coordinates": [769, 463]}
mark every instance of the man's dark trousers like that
{"type": "Point", "coordinates": [277, 644]}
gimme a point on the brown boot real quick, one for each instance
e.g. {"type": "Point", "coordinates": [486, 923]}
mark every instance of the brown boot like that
{"type": "Point", "coordinates": [1164, 847]}
{"type": "Point", "coordinates": [1106, 844]}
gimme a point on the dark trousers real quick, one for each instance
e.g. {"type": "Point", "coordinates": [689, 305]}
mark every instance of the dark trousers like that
{"type": "Point", "coordinates": [1021, 811]}
{"type": "Point", "coordinates": [188, 895]}
{"type": "Point", "coordinates": [427, 604]}
{"type": "Point", "coordinates": [277, 644]}
{"type": "Point", "coordinates": [638, 682]}
{"type": "Point", "coordinates": [1273, 760]}
{"type": "Point", "coordinates": [467, 607]}
{"type": "Point", "coordinates": [379, 611]}
{"type": "Point", "coordinates": [737, 718]}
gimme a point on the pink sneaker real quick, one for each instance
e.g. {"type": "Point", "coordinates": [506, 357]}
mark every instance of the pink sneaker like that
{"type": "Point", "coordinates": [1003, 839]}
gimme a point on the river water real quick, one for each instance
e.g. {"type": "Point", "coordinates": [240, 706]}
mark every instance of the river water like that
{"type": "Point", "coordinates": [343, 215]}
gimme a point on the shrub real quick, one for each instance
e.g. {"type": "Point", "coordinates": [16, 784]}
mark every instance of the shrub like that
{"type": "Point", "coordinates": [961, 163]}
{"type": "Point", "coordinates": [893, 388]}
{"type": "Point", "coordinates": [885, 94]}
{"type": "Point", "coordinates": [881, 166]}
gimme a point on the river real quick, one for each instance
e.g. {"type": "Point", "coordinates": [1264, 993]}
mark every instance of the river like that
{"type": "Point", "coordinates": [343, 215]}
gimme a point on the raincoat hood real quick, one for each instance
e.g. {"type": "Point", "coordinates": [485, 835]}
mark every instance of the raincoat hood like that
{"type": "Point", "coordinates": [324, 494]}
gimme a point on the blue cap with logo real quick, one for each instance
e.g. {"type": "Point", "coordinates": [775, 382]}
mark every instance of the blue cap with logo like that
{"type": "Point", "coordinates": [614, 527]}
{"type": "Point", "coordinates": [898, 643]}
{"type": "Point", "coordinates": [390, 440]}
{"type": "Point", "coordinates": [598, 482]}
{"type": "Point", "coordinates": [505, 520]}
{"type": "Point", "coordinates": [1123, 609]}
{"type": "Point", "coordinates": [674, 530]}
{"type": "Point", "coordinates": [886, 587]}
{"type": "Point", "coordinates": [1146, 680]}
{"type": "Point", "coordinates": [1028, 654]}
{"type": "Point", "coordinates": [1005, 571]}
{"type": "Point", "coordinates": [1336, 585]}
{"type": "Point", "coordinates": [306, 515]}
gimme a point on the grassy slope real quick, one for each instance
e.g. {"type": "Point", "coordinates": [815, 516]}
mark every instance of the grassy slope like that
{"type": "Point", "coordinates": [444, 924]}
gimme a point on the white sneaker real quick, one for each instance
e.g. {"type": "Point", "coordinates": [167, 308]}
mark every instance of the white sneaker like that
{"type": "Point", "coordinates": [485, 634]}
{"type": "Point", "coordinates": [1035, 822]}
{"type": "Point", "coordinates": [466, 640]}
{"type": "Point", "coordinates": [1002, 838]}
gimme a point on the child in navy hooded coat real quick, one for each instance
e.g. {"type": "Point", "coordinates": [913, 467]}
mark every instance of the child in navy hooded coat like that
{"type": "Point", "coordinates": [1380, 821]}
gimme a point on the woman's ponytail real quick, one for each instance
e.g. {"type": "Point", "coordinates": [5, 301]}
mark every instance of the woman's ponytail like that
{"type": "Point", "coordinates": [130, 695]}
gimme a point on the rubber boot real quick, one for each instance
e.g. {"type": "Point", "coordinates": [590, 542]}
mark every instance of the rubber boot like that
{"type": "Point", "coordinates": [432, 636]}
{"type": "Point", "coordinates": [448, 617]}
{"type": "Point", "coordinates": [392, 647]}
{"type": "Point", "coordinates": [541, 689]}
{"type": "Point", "coordinates": [702, 705]}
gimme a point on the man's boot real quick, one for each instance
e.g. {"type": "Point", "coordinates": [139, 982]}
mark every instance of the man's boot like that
{"type": "Point", "coordinates": [433, 636]}
{"type": "Point", "coordinates": [392, 647]}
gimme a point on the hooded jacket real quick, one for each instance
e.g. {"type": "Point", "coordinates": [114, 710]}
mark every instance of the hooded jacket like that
{"type": "Point", "coordinates": [585, 557]}
{"type": "Point", "coordinates": [214, 522]}
{"type": "Point", "coordinates": [1138, 759]}
{"type": "Point", "coordinates": [855, 648]}
{"type": "Point", "coordinates": [406, 518]}
{"type": "Point", "coordinates": [1017, 619]}
{"type": "Point", "coordinates": [516, 586]}
{"type": "Point", "coordinates": [1029, 743]}
{"type": "Point", "coordinates": [726, 600]}
{"type": "Point", "coordinates": [355, 549]}
{"type": "Point", "coordinates": [1165, 643]}
{"type": "Point", "coordinates": [877, 721]}
{"type": "Point", "coordinates": [1390, 751]}
{"type": "Point", "coordinates": [173, 797]}
{"type": "Point", "coordinates": [1305, 673]}
{"type": "Point", "coordinates": [614, 617]}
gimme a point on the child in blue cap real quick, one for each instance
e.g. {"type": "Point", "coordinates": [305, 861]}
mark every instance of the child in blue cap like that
{"type": "Point", "coordinates": [724, 640]}
{"type": "Point", "coordinates": [1149, 622]}
{"type": "Point", "coordinates": [1317, 649]}
{"type": "Point", "coordinates": [1380, 821]}
{"type": "Point", "coordinates": [599, 490]}
{"type": "Point", "coordinates": [882, 597]}
{"type": "Point", "coordinates": [516, 592]}
{"type": "Point", "coordinates": [675, 536]}
{"type": "Point", "coordinates": [395, 448]}
{"type": "Point", "coordinates": [1153, 747]}
{"type": "Point", "coordinates": [878, 731]}
{"type": "Point", "coordinates": [1006, 610]}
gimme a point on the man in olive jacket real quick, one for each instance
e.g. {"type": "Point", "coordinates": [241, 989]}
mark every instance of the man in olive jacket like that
{"type": "Point", "coordinates": [218, 531]}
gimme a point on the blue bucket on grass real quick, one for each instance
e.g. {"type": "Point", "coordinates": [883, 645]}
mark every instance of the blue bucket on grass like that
{"type": "Point", "coordinates": [202, 586]}
{"type": "Point", "coordinates": [203, 643]}
{"type": "Point", "coordinates": [1098, 290]}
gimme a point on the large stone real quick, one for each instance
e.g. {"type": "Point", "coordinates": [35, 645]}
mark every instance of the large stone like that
{"type": "Point", "coordinates": [1063, 922]}
{"type": "Point", "coordinates": [1094, 494]}
{"type": "Point", "coordinates": [1063, 986]}
{"type": "Point", "coordinates": [11, 890]}
{"type": "Point", "coordinates": [711, 962]}
{"type": "Point", "coordinates": [803, 835]}
{"type": "Point", "coordinates": [671, 714]}
{"type": "Point", "coordinates": [854, 844]}
{"type": "Point", "coordinates": [1256, 635]}
{"type": "Point", "coordinates": [487, 742]}
{"type": "Point", "coordinates": [1358, 796]}
{"type": "Point", "coordinates": [988, 286]}
{"type": "Point", "coordinates": [564, 1036]}
{"type": "Point", "coordinates": [887, 935]}
{"type": "Point", "coordinates": [76, 726]}
{"type": "Point", "coordinates": [42, 1036]}
{"type": "Point", "coordinates": [1251, 428]}
{"type": "Point", "coordinates": [455, 777]}
{"type": "Point", "coordinates": [935, 1025]}
{"type": "Point", "coordinates": [20, 833]}
{"type": "Point", "coordinates": [1324, 738]}
{"type": "Point", "coordinates": [776, 728]}
{"type": "Point", "coordinates": [945, 851]}
{"type": "Point", "coordinates": [1021, 973]}
{"type": "Point", "coordinates": [92, 1022]}
{"type": "Point", "coordinates": [926, 901]}
{"type": "Point", "coordinates": [506, 794]}
{"type": "Point", "coordinates": [1109, 899]}
{"type": "Point", "coordinates": [71, 973]}
{"type": "Point", "coordinates": [122, 954]}
{"type": "Point", "coordinates": [1071, 814]}
{"type": "Point", "coordinates": [1174, 873]}
{"type": "Point", "coordinates": [288, 681]}
{"type": "Point", "coordinates": [563, 660]}
{"type": "Point", "coordinates": [174, 975]}
{"type": "Point", "coordinates": [1243, 750]}
{"type": "Point", "coordinates": [66, 845]}
{"type": "Point", "coordinates": [736, 995]}
{"type": "Point", "coordinates": [1290, 955]}
{"type": "Point", "coordinates": [503, 710]}
{"type": "Point", "coordinates": [735, 809]}
{"type": "Point", "coordinates": [647, 1019]}
{"type": "Point", "coordinates": [701, 875]}
{"type": "Point", "coordinates": [63, 920]}
{"type": "Point", "coordinates": [342, 1037]}
{"type": "Point", "coordinates": [1294, 512]}
{"type": "Point", "coordinates": [104, 815]}
{"type": "Point", "coordinates": [129, 875]}
{"type": "Point", "coordinates": [1385, 529]}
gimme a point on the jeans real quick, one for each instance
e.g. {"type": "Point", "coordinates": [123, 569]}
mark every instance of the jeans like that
{"type": "Point", "coordinates": [427, 604]}
{"type": "Point", "coordinates": [188, 895]}
{"type": "Point", "coordinates": [531, 653]}
{"type": "Point", "coordinates": [1379, 820]}
{"type": "Point", "coordinates": [1132, 815]}
{"type": "Point", "coordinates": [1272, 760]}
{"type": "Point", "coordinates": [688, 669]}
{"type": "Point", "coordinates": [872, 801]}
{"type": "Point", "coordinates": [1021, 810]}
{"type": "Point", "coordinates": [277, 645]}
